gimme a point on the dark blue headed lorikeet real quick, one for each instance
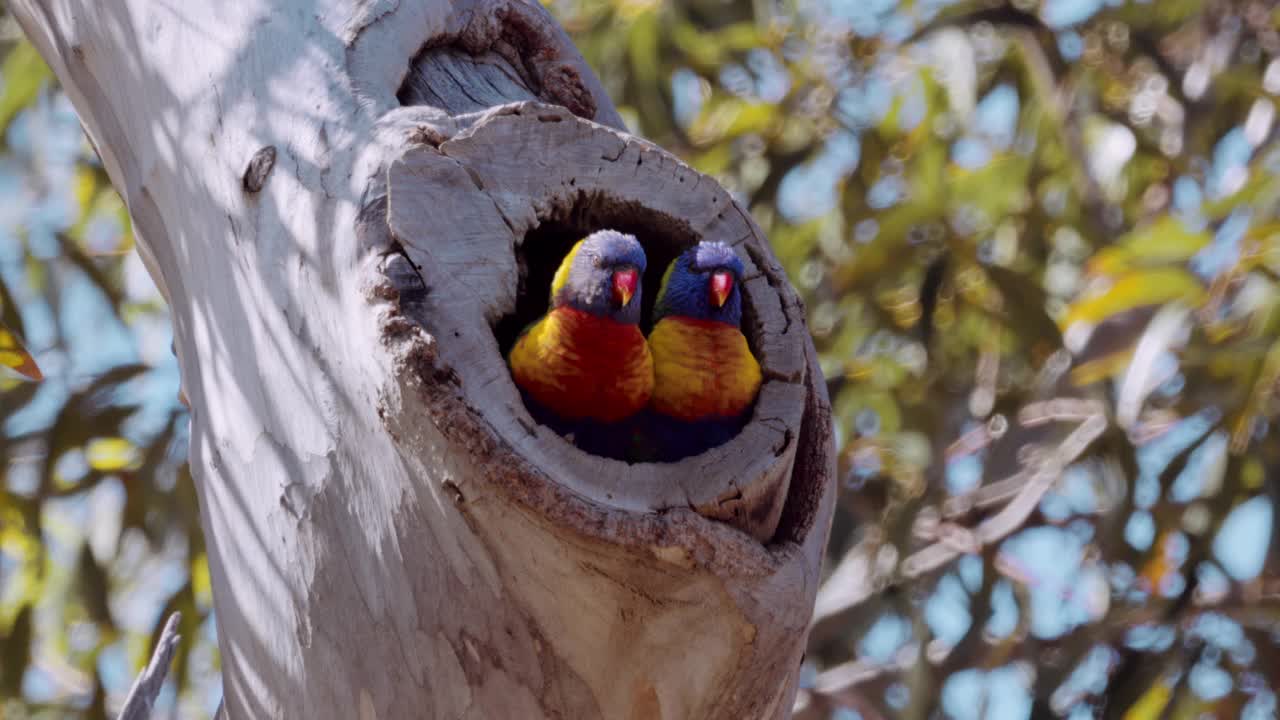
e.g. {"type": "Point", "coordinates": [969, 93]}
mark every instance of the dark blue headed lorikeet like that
{"type": "Point", "coordinates": [705, 377]}
{"type": "Point", "coordinates": [584, 368]}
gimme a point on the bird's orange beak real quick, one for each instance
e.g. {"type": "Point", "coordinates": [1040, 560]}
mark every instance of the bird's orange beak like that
{"type": "Point", "coordinates": [625, 283]}
{"type": "Point", "coordinates": [721, 287]}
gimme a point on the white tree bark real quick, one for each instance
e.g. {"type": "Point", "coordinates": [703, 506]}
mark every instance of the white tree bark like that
{"type": "Point", "coordinates": [389, 533]}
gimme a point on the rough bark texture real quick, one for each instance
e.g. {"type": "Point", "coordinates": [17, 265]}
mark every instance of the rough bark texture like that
{"type": "Point", "coordinates": [343, 202]}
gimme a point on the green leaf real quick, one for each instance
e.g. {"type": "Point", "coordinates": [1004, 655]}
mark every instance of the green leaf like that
{"type": "Point", "coordinates": [16, 357]}
{"type": "Point", "coordinates": [1164, 242]}
{"type": "Point", "coordinates": [72, 251]}
{"type": "Point", "coordinates": [708, 52]}
{"type": "Point", "coordinates": [643, 48]}
{"type": "Point", "coordinates": [86, 415]}
{"type": "Point", "coordinates": [1137, 289]}
{"type": "Point", "coordinates": [1024, 303]}
{"type": "Point", "coordinates": [1261, 191]}
{"type": "Point", "coordinates": [9, 315]}
{"type": "Point", "coordinates": [24, 73]}
{"type": "Point", "coordinates": [16, 654]}
{"type": "Point", "coordinates": [111, 454]}
{"type": "Point", "coordinates": [15, 398]}
{"type": "Point", "coordinates": [995, 190]}
{"type": "Point", "coordinates": [729, 117]}
{"type": "Point", "coordinates": [141, 493]}
{"type": "Point", "coordinates": [93, 585]}
{"type": "Point", "coordinates": [98, 706]}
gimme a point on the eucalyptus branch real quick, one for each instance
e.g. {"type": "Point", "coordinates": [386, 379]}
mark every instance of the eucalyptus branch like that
{"type": "Point", "coordinates": [873, 566]}
{"type": "Point", "coordinates": [956, 540]}
{"type": "Point", "coordinates": [146, 689]}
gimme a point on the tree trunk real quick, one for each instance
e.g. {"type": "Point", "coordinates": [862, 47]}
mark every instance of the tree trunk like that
{"type": "Point", "coordinates": [344, 202]}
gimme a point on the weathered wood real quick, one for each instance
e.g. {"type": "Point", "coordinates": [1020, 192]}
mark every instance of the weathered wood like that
{"type": "Point", "coordinates": [389, 533]}
{"type": "Point", "coordinates": [146, 688]}
{"type": "Point", "coordinates": [557, 166]}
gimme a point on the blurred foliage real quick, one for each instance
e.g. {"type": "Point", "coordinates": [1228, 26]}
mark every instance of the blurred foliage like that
{"type": "Point", "coordinates": [1040, 250]}
{"type": "Point", "coordinates": [989, 205]}
{"type": "Point", "coordinates": [99, 526]}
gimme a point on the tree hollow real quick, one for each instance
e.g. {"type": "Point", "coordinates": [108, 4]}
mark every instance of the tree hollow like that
{"type": "Point", "coordinates": [485, 266]}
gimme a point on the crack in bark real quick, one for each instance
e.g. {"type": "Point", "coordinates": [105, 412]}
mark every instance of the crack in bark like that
{"type": "Point", "coordinates": [779, 286]}
{"type": "Point", "coordinates": [621, 151]}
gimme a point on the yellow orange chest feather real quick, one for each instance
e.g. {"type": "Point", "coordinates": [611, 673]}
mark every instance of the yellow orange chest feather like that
{"type": "Point", "coordinates": [702, 369]}
{"type": "Point", "coordinates": [584, 367]}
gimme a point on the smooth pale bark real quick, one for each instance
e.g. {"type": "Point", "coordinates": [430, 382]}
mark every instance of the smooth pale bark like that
{"type": "Point", "coordinates": [389, 534]}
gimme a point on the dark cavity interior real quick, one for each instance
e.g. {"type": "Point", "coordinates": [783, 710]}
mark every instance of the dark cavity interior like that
{"type": "Point", "coordinates": [452, 79]}
{"type": "Point", "coordinates": [662, 236]}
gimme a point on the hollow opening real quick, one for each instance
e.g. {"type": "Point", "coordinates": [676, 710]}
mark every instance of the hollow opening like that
{"type": "Point", "coordinates": [544, 247]}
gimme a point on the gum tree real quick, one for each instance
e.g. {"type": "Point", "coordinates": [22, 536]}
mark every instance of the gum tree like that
{"type": "Point", "coordinates": [350, 208]}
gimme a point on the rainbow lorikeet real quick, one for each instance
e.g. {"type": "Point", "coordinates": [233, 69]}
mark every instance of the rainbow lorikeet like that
{"type": "Point", "coordinates": [705, 377]}
{"type": "Point", "coordinates": [584, 368]}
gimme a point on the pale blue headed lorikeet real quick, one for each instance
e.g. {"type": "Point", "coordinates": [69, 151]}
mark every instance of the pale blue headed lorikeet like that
{"type": "Point", "coordinates": [584, 368]}
{"type": "Point", "coordinates": [705, 377]}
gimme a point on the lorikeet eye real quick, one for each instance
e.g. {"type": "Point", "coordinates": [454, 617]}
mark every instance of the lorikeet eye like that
{"type": "Point", "coordinates": [720, 287]}
{"type": "Point", "coordinates": [625, 282]}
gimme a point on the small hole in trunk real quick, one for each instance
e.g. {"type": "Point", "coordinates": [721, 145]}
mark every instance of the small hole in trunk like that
{"type": "Point", "coordinates": [545, 246]}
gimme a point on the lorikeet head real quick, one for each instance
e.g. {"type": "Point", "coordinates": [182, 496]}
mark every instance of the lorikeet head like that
{"type": "Point", "coordinates": [601, 275]}
{"type": "Point", "coordinates": [703, 284]}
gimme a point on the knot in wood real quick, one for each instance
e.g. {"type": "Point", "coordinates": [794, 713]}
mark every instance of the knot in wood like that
{"type": "Point", "coordinates": [260, 166]}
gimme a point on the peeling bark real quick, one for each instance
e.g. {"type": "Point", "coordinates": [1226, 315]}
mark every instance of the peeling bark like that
{"type": "Point", "coordinates": [344, 203]}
